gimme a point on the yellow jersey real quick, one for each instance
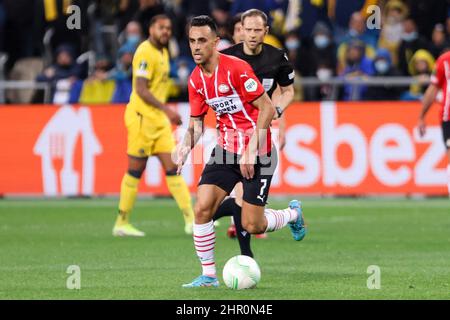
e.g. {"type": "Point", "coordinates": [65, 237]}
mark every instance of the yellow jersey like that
{"type": "Point", "coordinates": [152, 64]}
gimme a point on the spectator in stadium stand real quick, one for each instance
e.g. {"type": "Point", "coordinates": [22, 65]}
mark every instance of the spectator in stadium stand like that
{"type": "Point", "coordinates": [383, 67]}
{"type": "Point", "coordinates": [235, 29]}
{"type": "Point", "coordinates": [340, 11]}
{"type": "Point", "coordinates": [180, 69]}
{"type": "Point", "coordinates": [64, 67]}
{"type": "Point", "coordinates": [323, 48]}
{"type": "Point", "coordinates": [98, 88]}
{"type": "Point", "coordinates": [394, 13]}
{"type": "Point", "coordinates": [123, 69]}
{"type": "Point", "coordinates": [357, 66]}
{"type": "Point", "coordinates": [438, 40]}
{"type": "Point", "coordinates": [321, 61]}
{"type": "Point", "coordinates": [325, 91]}
{"type": "Point", "coordinates": [297, 54]}
{"type": "Point", "coordinates": [133, 34]}
{"type": "Point", "coordinates": [411, 42]}
{"type": "Point", "coordinates": [420, 67]}
{"type": "Point", "coordinates": [122, 74]}
{"type": "Point", "coordinates": [357, 31]}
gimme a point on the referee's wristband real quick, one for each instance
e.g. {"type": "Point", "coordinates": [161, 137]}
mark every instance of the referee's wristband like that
{"type": "Point", "coordinates": [279, 111]}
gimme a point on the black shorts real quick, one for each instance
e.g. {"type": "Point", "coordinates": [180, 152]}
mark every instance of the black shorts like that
{"type": "Point", "coordinates": [446, 133]}
{"type": "Point", "coordinates": [223, 170]}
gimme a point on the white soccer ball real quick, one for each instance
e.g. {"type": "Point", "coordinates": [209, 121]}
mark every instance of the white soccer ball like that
{"type": "Point", "coordinates": [241, 272]}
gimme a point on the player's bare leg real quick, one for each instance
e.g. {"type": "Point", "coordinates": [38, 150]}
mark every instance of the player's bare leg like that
{"type": "Point", "coordinates": [128, 193]}
{"type": "Point", "coordinates": [253, 219]}
{"type": "Point", "coordinates": [209, 198]}
{"type": "Point", "coordinates": [179, 190]}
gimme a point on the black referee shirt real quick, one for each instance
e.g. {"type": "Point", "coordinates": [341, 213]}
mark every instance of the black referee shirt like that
{"type": "Point", "coordinates": [271, 65]}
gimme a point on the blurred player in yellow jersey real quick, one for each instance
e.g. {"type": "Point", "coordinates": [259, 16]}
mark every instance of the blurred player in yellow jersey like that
{"type": "Point", "coordinates": [148, 121]}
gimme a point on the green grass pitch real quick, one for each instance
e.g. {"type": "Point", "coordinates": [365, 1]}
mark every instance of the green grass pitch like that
{"type": "Point", "coordinates": [408, 239]}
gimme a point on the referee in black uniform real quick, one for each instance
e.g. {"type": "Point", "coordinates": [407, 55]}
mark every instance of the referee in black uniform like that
{"type": "Point", "coordinates": [276, 74]}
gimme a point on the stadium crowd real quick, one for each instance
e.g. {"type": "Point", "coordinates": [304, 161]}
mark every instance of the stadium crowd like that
{"type": "Point", "coordinates": [322, 38]}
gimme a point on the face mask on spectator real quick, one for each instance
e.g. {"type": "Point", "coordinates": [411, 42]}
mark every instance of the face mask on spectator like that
{"type": "Point", "coordinates": [382, 66]}
{"type": "Point", "coordinates": [411, 36]}
{"type": "Point", "coordinates": [123, 74]}
{"type": "Point", "coordinates": [292, 44]}
{"type": "Point", "coordinates": [183, 73]}
{"type": "Point", "coordinates": [353, 33]}
{"type": "Point", "coordinates": [321, 41]}
{"type": "Point", "coordinates": [133, 39]}
{"type": "Point", "coordinates": [324, 74]}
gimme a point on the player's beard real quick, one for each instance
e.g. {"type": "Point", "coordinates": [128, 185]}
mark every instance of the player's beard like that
{"type": "Point", "coordinates": [163, 41]}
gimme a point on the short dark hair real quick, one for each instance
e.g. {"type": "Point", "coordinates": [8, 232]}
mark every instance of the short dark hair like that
{"type": "Point", "coordinates": [203, 20]}
{"type": "Point", "coordinates": [233, 21]}
{"type": "Point", "coordinates": [155, 19]}
{"type": "Point", "coordinates": [253, 13]}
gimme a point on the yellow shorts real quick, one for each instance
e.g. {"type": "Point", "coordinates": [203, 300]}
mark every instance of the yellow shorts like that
{"type": "Point", "coordinates": [147, 136]}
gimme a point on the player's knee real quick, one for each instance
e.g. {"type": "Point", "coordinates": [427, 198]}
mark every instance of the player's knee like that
{"type": "Point", "coordinates": [253, 227]}
{"type": "Point", "coordinates": [203, 212]}
{"type": "Point", "coordinates": [136, 173]}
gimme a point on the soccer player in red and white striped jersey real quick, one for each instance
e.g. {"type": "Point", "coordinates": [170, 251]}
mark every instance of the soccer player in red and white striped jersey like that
{"type": "Point", "coordinates": [244, 152]}
{"type": "Point", "coordinates": [439, 81]}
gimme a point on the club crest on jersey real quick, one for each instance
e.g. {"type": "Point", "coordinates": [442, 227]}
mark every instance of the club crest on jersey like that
{"type": "Point", "coordinates": [142, 65]}
{"type": "Point", "coordinates": [250, 85]}
{"type": "Point", "coordinates": [223, 88]}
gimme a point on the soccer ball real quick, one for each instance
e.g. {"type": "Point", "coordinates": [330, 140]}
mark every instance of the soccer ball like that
{"type": "Point", "coordinates": [241, 272]}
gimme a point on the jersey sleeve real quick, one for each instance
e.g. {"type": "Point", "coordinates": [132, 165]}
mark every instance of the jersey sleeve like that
{"type": "Point", "coordinates": [196, 101]}
{"type": "Point", "coordinates": [438, 74]}
{"type": "Point", "coordinates": [246, 82]}
{"type": "Point", "coordinates": [143, 64]}
{"type": "Point", "coordinates": [286, 73]}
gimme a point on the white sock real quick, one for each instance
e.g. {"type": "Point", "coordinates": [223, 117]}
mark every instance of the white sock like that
{"type": "Point", "coordinates": [204, 240]}
{"type": "Point", "coordinates": [277, 219]}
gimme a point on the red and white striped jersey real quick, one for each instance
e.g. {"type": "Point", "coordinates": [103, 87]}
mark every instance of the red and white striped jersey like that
{"type": "Point", "coordinates": [229, 92]}
{"type": "Point", "coordinates": [441, 78]}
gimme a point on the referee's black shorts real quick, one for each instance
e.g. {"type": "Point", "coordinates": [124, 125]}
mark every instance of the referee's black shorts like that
{"type": "Point", "coordinates": [446, 133]}
{"type": "Point", "coordinates": [223, 170]}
